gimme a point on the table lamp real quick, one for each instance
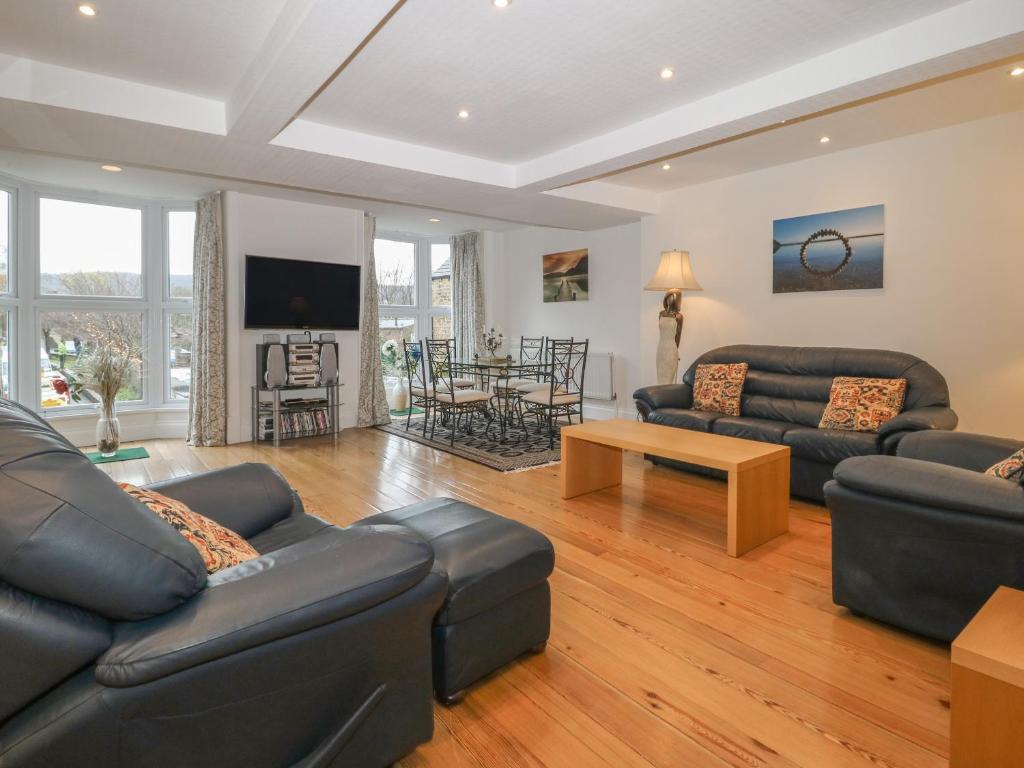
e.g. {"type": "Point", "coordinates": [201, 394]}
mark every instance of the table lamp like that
{"type": "Point", "coordinates": [674, 276]}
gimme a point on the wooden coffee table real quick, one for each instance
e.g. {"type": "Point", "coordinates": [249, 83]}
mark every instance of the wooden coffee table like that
{"type": "Point", "coordinates": [758, 507]}
{"type": "Point", "coordinates": [988, 686]}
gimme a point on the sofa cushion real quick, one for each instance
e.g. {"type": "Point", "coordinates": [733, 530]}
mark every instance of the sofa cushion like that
{"type": "Point", "coordinates": [1010, 468]}
{"type": "Point", "coordinates": [219, 547]}
{"type": "Point", "coordinates": [719, 387]}
{"type": "Point", "coordinates": [685, 418]}
{"type": "Point", "coordinates": [765, 430]}
{"type": "Point", "coordinates": [807, 413]}
{"type": "Point", "coordinates": [830, 445]}
{"type": "Point", "coordinates": [70, 534]}
{"type": "Point", "coordinates": [863, 404]}
{"type": "Point", "coordinates": [291, 530]}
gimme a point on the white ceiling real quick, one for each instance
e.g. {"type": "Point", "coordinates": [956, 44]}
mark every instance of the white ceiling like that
{"type": "Point", "coordinates": [198, 46]}
{"type": "Point", "coordinates": [957, 100]}
{"type": "Point", "coordinates": [240, 93]}
{"type": "Point", "coordinates": [539, 75]}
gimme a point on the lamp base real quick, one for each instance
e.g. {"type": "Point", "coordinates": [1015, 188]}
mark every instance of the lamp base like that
{"type": "Point", "coordinates": [672, 301]}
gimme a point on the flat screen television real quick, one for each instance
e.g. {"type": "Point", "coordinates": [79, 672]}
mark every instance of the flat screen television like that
{"type": "Point", "coordinates": [288, 293]}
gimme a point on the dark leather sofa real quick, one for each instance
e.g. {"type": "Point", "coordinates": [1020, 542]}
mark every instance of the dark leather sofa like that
{"type": "Point", "coordinates": [922, 539]}
{"type": "Point", "coordinates": [119, 650]}
{"type": "Point", "coordinates": [784, 395]}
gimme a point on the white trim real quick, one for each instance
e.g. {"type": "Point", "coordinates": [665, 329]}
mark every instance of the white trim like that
{"type": "Point", "coordinates": [135, 423]}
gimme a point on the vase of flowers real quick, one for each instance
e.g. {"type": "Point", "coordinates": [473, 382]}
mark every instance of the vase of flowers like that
{"type": "Point", "coordinates": [492, 342]}
{"type": "Point", "coordinates": [106, 373]}
{"type": "Point", "coordinates": [393, 363]}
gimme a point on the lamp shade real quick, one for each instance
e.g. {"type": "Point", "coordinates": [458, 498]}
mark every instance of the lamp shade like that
{"type": "Point", "coordinates": [674, 273]}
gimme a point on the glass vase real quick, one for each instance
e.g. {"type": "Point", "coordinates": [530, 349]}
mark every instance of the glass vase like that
{"type": "Point", "coordinates": [108, 430]}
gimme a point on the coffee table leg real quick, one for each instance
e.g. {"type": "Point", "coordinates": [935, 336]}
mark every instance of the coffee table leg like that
{"type": "Point", "coordinates": [588, 466]}
{"type": "Point", "coordinates": [758, 505]}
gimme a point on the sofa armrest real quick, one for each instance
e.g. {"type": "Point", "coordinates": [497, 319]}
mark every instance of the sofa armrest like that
{"type": "Point", "coordinates": [916, 419]}
{"type": "Point", "coordinates": [330, 576]}
{"type": "Point", "coordinates": [663, 396]}
{"type": "Point", "coordinates": [958, 449]}
{"type": "Point", "coordinates": [932, 485]}
{"type": "Point", "coordinates": [247, 498]}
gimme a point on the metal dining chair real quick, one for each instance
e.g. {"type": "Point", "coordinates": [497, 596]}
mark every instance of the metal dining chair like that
{"type": "Point", "coordinates": [540, 382]}
{"type": "Point", "coordinates": [452, 403]}
{"type": "Point", "coordinates": [460, 382]}
{"type": "Point", "coordinates": [421, 390]}
{"type": "Point", "coordinates": [563, 396]}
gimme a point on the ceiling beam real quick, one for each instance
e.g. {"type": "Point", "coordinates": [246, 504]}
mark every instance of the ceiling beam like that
{"type": "Point", "coordinates": [309, 45]}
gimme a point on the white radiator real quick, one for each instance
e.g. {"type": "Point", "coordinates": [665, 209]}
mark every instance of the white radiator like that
{"type": "Point", "coordinates": [599, 381]}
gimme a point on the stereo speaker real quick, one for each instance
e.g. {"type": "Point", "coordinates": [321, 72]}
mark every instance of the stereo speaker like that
{"type": "Point", "coordinates": [277, 372]}
{"type": "Point", "coordinates": [328, 364]}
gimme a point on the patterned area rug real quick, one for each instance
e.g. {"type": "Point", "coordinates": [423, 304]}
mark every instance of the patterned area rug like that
{"type": "Point", "coordinates": [519, 451]}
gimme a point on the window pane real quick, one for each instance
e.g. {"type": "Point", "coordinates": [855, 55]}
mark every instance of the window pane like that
{"type": "Point", "coordinates": [440, 275]}
{"type": "Point", "coordinates": [396, 272]}
{"type": "Point", "coordinates": [89, 250]}
{"type": "Point", "coordinates": [67, 340]}
{"type": "Point", "coordinates": [181, 232]}
{"type": "Point", "coordinates": [5, 354]}
{"type": "Point", "coordinates": [5, 239]}
{"type": "Point", "coordinates": [395, 329]}
{"type": "Point", "coordinates": [441, 327]}
{"type": "Point", "coordinates": [179, 334]}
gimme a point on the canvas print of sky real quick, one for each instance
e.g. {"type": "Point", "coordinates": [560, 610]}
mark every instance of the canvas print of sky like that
{"type": "Point", "coordinates": [565, 276]}
{"type": "Point", "coordinates": [836, 251]}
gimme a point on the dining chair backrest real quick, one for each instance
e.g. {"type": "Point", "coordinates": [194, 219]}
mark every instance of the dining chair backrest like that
{"type": "Point", "coordinates": [415, 364]}
{"type": "Point", "coordinates": [568, 367]}
{"type": "Point", "coordinates": [531, 350]}
{"type": "Point", "coordinates": [440, 353]}
{"type": "Point", "coordinates": [548, 344]}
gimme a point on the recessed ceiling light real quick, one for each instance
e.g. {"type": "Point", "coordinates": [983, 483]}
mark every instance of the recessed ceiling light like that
{"type": "Point", "coordinates": [438, 221]}
{"type": "Point", "coordinates": [501, 3]}
{"type": "Point", "coordinates": [111, 168]}
{"type": "Point", "coordinates": [1017, 72]}
{"type": "Point", "coordinates": [666, 167]}
{"type": "Point", "coordinates": [782, 122]}
{"type": "Point", "coordinates": [824, 139]}
{"type": "Point", "coordinates": [463, 114]}
{"type": "Point", "coordinates": [667, 73]}
{"type": "Point", "coordinates": [87, 9]}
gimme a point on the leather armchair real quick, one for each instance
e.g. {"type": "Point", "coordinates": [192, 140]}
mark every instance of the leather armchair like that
{"type": "Point", "coordinates": [920, 540]}
{"type": "Point", "coordinates": [119, 650]}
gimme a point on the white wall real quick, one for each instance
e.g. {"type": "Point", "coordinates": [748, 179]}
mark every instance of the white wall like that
{"type": "Point", "coordinates": [610, 318]}
{"type": "Point", "coordinates": [954, 261]}
{"type": "Point", "coordinates": [264, 226]}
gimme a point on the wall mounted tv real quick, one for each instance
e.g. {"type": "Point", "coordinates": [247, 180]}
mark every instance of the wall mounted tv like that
{"type": "Point", "coordinates": [288, 293]}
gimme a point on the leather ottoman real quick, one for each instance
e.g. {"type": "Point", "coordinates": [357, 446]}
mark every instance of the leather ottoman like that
{"type": "Point", "coordinates": [498, 605]}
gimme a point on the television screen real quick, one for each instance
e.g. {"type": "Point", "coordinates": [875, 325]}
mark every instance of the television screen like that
{"type": "Point", "coordinates": [287, 293]}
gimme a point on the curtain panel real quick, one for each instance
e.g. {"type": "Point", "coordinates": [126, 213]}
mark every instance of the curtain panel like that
{"type": "Point", "coordinates": [207, 408]}
{"type": "Point", "coordinates": [373, 403]}
{"type": "Point", "coordinates": [467, 293]}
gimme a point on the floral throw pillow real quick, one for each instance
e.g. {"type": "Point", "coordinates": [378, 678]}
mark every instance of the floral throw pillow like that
{"type": "Point", "coordinates": [718, 387]}
{"type": "Point", "coordinates": [1011, 468]}
{"type": "Point", "coordinates": [859, 404]}
{"type": "Point", "coordinates": [219, 547]}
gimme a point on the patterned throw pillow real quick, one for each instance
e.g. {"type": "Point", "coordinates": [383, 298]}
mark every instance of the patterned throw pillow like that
{"type": "Point", "coordinates": [718, 387]}
{"type": "Point", "coordinates": [220, 548]}
{"type": "Point", "coordinates": [1011, 468]}
{"type": "Point", "coordinates": [859, 404]}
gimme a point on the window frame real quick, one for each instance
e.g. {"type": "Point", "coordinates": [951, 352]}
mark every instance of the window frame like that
{"type": "Point", "coordinates": [424, 311]}
{"type": "Point", "coordinates": [25, 301]}
{"type": "Point", "coordinates": [9, 300]}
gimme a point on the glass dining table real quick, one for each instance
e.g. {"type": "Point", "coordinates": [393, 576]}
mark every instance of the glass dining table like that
{"type": "Point", "coordinates": [489, 372]}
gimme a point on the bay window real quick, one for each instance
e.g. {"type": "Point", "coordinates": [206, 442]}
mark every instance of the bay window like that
{"type": "Point", "coordinates": [94, 272]}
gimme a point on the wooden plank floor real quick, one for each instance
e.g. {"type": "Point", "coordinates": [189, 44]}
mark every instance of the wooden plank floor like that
{"type": "Point", "coordinates": [664, 651]}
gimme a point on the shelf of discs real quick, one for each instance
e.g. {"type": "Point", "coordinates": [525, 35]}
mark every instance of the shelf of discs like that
{"type": "Point", "coordinates": [298, 393]}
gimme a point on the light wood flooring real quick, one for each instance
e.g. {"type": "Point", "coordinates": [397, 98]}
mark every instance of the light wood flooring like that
{"type": "Point", "coordinates": [664, 651]}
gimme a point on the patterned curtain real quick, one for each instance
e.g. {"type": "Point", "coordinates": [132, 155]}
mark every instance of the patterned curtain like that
{"type": "Point", "coordinates": [207, 407]}
{"type": "Point", "coordinates": [467, 293]}
{"type": "Point", "coordinates": [373, 402]}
